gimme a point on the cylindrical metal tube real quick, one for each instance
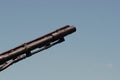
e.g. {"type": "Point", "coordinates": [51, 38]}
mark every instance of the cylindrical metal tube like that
{"type": "Point", "coordinates": [39, 42]}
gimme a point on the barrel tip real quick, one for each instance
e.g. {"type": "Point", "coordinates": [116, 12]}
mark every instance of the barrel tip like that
{"type": "Point", "coordinates": [71, 26]}
{"type": "Point", "coordinates": [74, 28]}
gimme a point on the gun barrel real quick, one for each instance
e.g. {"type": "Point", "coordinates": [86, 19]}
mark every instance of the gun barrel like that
{"type": "Point", "coordinates": [37, 43]}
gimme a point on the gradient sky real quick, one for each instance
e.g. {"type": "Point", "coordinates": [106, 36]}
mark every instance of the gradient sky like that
{"type": "Point", "coordinates": [92, 53]}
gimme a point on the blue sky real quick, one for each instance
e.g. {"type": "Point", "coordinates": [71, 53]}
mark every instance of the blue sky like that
{"type": "Point", "coordinates": [92, 53]}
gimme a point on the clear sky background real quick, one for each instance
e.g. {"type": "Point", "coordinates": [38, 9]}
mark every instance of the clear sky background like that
{"type": "Point", "coordinates": [92, 53]}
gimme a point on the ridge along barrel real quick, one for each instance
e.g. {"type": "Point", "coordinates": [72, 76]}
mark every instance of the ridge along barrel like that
{"type": "Point", "coordinates": [37, 43]}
